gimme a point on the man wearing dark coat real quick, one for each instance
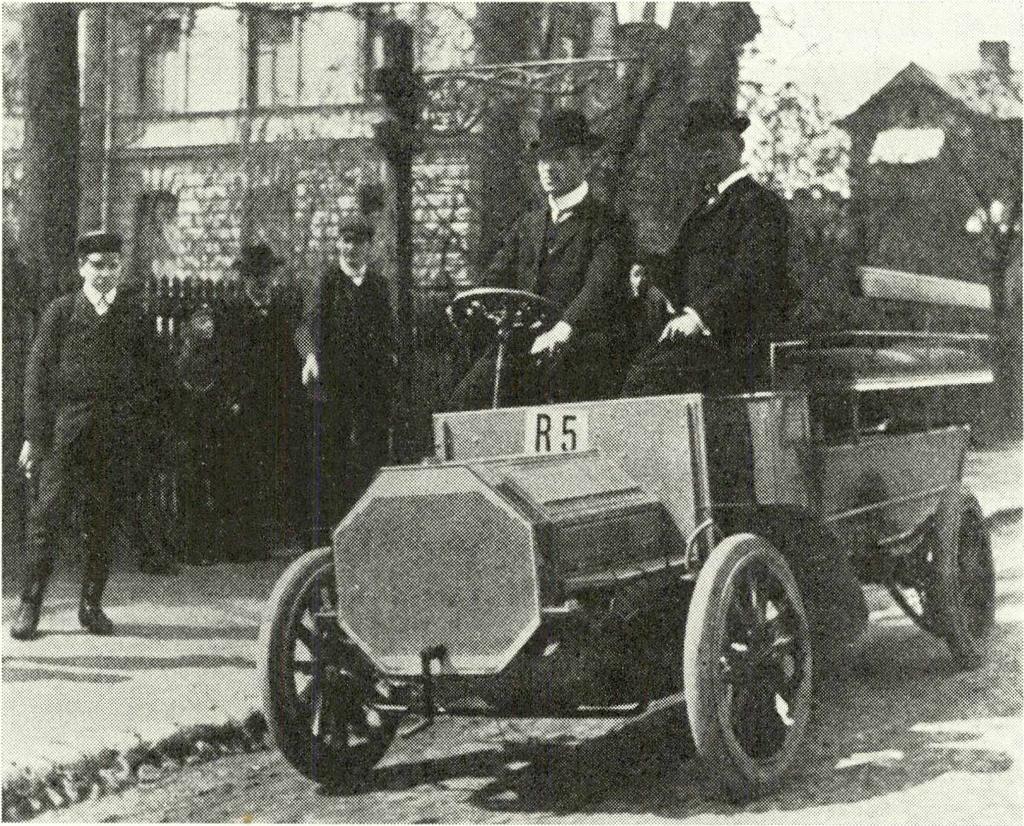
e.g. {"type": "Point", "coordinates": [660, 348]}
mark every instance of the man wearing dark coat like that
{"type": "Point", "coordinates": [349, 366]}
{"type": "Point", "coordinates": [265, 391]}
{"type": "Point", "coordinates": [569, 251]}
{"type": "Point", "coordinates": [93, 387]}
{"type": "Point", "coordinates": [726, 280]}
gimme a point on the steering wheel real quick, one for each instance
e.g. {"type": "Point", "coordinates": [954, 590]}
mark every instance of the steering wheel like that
{"type": "Point", "coordinates": [497, 313]}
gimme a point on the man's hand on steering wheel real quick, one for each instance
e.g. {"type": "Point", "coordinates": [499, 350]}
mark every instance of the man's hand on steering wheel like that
{"type": "Point", "coordinates": [553, 338]}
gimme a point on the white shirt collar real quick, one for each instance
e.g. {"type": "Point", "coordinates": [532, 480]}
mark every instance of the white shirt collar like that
{"type": "Point", "coordinates": [562, 204]}
{"type": "Point", "coordinates": [358, 277]}
{"type": "Point", "coordinates": [100, 302]}
{"type": "Point", "coordinates": [738, 175]}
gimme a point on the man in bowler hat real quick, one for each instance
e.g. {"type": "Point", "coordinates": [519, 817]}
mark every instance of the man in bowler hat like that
{"type": "Point", "coordinates": [347, 347]}
{"type": "Point", "coordinates": [92, 389]}
{"type": "Point", "coordinates": [568, 250]}
{"type": "Point", "coordinates": [729, 293]}
{"type": "Point", "coordinates": [266, 395]}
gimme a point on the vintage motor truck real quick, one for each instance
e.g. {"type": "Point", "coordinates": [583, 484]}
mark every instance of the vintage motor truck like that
{"type": "Point", "coordinates": [595, 558]}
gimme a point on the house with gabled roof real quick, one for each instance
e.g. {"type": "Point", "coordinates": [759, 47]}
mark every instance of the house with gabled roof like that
{"type": "Point", "coordinates": [927, 152]}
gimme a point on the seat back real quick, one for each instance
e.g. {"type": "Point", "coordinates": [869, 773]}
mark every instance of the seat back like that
{"type": "Point", "coordinates": [857, 371]}
{"type": "Point", "coordinates": [896, 285]}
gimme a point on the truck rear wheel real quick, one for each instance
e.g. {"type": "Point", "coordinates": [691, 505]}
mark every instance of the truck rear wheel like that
{"type": "Point", "coordinates": [747, 667]}
{"type": "Point", "coordinates": [320, 694]}
{"type": "Point", "coordinates": [962, 588]}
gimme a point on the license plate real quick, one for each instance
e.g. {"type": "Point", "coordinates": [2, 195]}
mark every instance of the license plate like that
{"type": "Point", "coordinates": [556, 431]}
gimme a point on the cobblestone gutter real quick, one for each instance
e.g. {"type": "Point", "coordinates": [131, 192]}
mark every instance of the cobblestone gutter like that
{"type": "Point", "coordinates": [28, 794]}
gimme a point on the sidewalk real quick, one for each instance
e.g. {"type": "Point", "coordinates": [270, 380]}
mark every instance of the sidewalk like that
{"type": "Point", "coordinates": [184, 653]}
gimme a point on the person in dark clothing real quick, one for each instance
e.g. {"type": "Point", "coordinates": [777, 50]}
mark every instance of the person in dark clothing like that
{"type": "Point", "coordinates": [93, 388]}
{"type": "Point", "coordinates": [726, 278]}
{"type": "Point", "coordinates": [349, 365]}
{"type": "Point", "coordinates": [207, 416]}
{"type": "Point", "coordinates": [569, 251]}
{"type": "Point", "coordinates": [264, 386]}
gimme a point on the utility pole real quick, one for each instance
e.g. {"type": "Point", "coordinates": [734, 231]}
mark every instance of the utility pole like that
{"type": "Point", "coordinates": [398, 84]}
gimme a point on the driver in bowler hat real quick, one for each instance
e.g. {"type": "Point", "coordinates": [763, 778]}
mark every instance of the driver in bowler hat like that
{"type": "Point", "coordinates": [568, 250]}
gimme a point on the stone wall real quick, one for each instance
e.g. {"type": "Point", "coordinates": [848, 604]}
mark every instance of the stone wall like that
{"type": "Point", "coordinates": [299, 194]}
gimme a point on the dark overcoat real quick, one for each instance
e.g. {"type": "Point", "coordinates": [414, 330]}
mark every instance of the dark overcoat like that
{"type": "Point", "coordinates": [729, 264]}
{"type": "Point", "coordinates": [578, 265]}
{"type": "Point", "coordinates": [96, 381]}
{"type": "Point", "coordinates": [350, 330]}
{"type": "Point", "coordinates": [582, 272]}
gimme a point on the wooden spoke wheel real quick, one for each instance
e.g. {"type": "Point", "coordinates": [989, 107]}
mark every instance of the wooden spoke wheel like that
{"type": "Point", "coordinates": [747, 668]}
{"type": "Point", "coordinates": [321, 697]}
{"type": "Point", "coordinates": [962, 590]}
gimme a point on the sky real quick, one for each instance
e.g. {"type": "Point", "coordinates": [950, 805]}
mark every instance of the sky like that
{"type": "Point", "coordinates": [844, 50]}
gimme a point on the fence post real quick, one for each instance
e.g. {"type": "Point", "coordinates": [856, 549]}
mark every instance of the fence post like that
{"type": "Point", "coordinates": [397, 136]}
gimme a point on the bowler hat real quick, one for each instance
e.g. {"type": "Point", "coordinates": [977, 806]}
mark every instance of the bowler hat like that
{"type": "Point", "coordinates": [562, 128]}
{"type": "Point", "coordinates": [256, 258]}
{"type": "Point", "coordinates": [704, 116]}
{"type": "Point", "coordinates": [99, 241]}
{"type": "Point", "coordinates": [357, 228]}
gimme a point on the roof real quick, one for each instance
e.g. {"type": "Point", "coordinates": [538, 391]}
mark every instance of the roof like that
{"type": "Point", "coordinates": [992, 93]}
{"type": "Point", "coordinates": [983, 91]}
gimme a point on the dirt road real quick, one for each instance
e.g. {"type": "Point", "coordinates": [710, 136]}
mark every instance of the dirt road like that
{"type": "Point", "coordinates": [926, 744]}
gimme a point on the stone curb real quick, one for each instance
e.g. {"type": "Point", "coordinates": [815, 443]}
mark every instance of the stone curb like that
{"type": "Point", "coordinates": [89, 778]}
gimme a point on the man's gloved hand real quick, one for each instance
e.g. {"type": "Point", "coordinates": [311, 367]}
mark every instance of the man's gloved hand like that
{"type": "Point", "coordinates": [547, 342]}
{"type": "Point", "coordinates": [310, 370]}
{"type": "Point", "coordinates": [28, 458]}
{"type": "Point", "coordinates": [687, 323]}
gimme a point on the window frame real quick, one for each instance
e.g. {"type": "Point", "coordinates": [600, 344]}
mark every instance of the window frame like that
{"type": "Point", "coordinates": [184, 20]}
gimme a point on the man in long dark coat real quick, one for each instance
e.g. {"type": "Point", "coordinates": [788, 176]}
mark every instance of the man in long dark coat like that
{"type": "Point", "coordinates": [264, 387]}
{"type": "Point", "coordinates": [349, 365]}
{"type": "Point", "coordinates": [726, 280]}
{"type": "Point", "coordinates": [92, 390]}
{"type": "Point", "coordinates": [569, 251]}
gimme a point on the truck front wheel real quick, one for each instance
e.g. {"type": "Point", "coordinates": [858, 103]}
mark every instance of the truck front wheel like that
{"type": "Point", "coordinates": [747, 668]}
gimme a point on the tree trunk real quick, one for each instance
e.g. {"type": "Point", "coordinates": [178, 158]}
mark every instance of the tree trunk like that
{"type": "Point", "coordinates": [50, 150]}
{"type": "Point", "coordinates": [505, 34]}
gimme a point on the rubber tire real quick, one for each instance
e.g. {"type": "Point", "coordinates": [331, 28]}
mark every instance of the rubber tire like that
{"type": "Point", "coordinates": [286, 731]}
{"type": "Point", "coordinates": [969, 650]}
{"type": "Point", "coordinates": [739, 775]}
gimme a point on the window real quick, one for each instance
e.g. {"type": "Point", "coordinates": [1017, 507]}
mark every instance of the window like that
{"type": "Point", "coordinates": [275, 57]}
{"type": "Point", "coordinates": [333, 49]}
{"type": "Point", "coordinates": [190, 60]}
{"type": "Point", "coordinates": [164, 64]}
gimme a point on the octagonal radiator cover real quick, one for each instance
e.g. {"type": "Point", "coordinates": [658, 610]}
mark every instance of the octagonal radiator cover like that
{"type": "Point", "coordinates": [431, 556]}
